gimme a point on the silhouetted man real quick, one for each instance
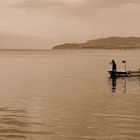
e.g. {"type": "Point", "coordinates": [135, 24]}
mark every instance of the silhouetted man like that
{"type": "Point", "coordinates": [113, 65]}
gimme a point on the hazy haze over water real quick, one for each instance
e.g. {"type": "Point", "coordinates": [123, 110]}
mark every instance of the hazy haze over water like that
{"type": "Point", "coordinates": [67, 95]}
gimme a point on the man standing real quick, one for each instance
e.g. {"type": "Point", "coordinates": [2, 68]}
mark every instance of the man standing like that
{"type": "Point", "coordinates": [113, 63]}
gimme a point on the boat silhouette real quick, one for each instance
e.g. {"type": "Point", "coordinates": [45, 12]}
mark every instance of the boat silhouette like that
{"type": "Point", "coordinates": [124, 73]}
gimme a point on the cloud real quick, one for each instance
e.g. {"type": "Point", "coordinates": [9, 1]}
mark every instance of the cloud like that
{"type": "Point", "coordinates": [74, 3]}
{"type": "Point", "coordinates": [70, 20]}
{"type": "Point", "coordinates": [40, 4]}
{"type": "Point", "coordinates": [71, 8]}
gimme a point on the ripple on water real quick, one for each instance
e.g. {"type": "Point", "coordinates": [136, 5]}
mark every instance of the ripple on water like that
{"type": "Point", "coordinates": [16, 124]}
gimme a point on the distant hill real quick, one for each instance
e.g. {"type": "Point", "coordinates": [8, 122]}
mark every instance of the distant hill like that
{"type": "Point", "coordinates": [104, 43]}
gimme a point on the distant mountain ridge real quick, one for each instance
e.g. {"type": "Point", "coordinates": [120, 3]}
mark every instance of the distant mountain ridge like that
{"type": "Point", "coordinates": [104, 43]}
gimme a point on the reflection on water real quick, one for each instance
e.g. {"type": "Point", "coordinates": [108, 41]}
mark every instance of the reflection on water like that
{"type": "Point", "coordinates": [122, 83]}
{"type": "Point", "coordinates": [113, 84]}
{"type": "Point", "coordinates": [64, 95]}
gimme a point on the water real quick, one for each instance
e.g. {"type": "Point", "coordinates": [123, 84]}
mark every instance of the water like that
{"type": "Point", "coordinates": [68, 95]}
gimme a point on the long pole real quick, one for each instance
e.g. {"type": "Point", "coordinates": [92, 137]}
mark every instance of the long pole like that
{"type": "Point", "coordinates": [124, 61]}
{"type": "Point", "coordinates": [125, 66]}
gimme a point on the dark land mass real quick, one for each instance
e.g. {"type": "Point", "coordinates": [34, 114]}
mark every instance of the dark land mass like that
{"type": "Point", "coordinates": [104, 43]}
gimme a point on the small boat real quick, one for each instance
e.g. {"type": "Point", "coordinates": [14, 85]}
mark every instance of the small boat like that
{"type": "Point", "coordinates": [124, 74]}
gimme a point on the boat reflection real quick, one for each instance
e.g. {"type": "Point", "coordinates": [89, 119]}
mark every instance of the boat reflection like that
{"type": "Point", "coordinates": [113, 84]}
{"type": "Point", "coordinates": [121, 83]}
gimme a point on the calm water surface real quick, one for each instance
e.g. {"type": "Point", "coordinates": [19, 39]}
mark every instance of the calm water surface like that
{"type": "Point", "coordinates": [68, 95]}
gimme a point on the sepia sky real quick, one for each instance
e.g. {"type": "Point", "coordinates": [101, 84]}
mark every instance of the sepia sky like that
{"type": "Point", "coordinates": [60, 21]}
